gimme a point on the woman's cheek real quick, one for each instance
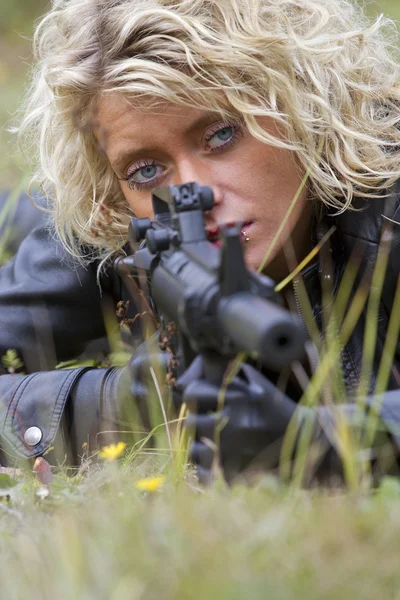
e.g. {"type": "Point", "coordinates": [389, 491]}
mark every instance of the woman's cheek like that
{"type": "Point", "coordinates": [140, 203]}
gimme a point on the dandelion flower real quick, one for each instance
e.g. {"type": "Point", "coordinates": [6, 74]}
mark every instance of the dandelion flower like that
{"type": "Point", "coordinates": [150, 484]}
{"type": "Point", "coordinates": [112, 451]}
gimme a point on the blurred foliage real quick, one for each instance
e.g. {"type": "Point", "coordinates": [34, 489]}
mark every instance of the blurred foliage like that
{"type": "Point", "coordinates": [97, 536]}
{"type": "Point", "coordinates": [389, 7]}
{"type": "Point", "coordinates": [16, 30]}
{"type": "Point", "coordinates": [16, 17]}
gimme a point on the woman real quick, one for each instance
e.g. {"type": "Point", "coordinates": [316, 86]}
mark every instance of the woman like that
{"type": "Point", "coordinates": [262, 100]}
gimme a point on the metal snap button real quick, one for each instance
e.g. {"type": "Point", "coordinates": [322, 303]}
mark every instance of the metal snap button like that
{"type": "Point", "coordinates": [33, 436]}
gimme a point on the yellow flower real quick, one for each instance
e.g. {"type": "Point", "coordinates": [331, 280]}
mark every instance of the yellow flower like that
{"type": "Point", "coordinates": [112, 451]}
{"type": "Point", "coordinates": [150, 484]}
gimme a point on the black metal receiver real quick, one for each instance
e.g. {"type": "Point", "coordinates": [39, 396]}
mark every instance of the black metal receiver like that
{"type": "Point", "coordinates": [219, 307]}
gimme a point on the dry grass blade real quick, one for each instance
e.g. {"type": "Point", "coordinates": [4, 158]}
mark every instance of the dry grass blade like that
{"type": "Point", "coordinates": [286, 218]}
{"type": "Point", "coordinates": [371, 321]}
{"type": "Point", "coordinates": [329, 358]}
{"type": "Point", "coordinates": [384, 370]}
{"type": "Point", "coordinates": [161, 401]}
{"type": "Point", "coordinates": [306, 261]}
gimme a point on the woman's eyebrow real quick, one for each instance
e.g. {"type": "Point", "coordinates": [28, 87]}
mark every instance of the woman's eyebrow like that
{"type": "Point", "coordinates": [201, 121]}
{"type": "Point", "coordinates": [126, 156]}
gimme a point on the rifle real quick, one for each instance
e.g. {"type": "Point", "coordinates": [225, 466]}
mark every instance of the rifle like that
{"type": "Point", "coordinates": [219, 307]}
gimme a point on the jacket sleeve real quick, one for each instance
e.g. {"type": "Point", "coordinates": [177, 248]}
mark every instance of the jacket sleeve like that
{"type": "Point", "coordinates": [50, 310]}
{"type": "Point", "coordinates": [56, 412]}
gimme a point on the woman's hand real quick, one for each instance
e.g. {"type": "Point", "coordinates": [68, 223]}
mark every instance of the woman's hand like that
{"type": "Point", "coordinates": [147, 379]}
{"type": "Point", "coordinates": [247, 422]}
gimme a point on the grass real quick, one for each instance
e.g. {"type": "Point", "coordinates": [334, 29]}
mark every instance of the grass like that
{"type": "Point", "coordinates": [98, 536]}
{"type": "Point", "coordinates": [94, 534]}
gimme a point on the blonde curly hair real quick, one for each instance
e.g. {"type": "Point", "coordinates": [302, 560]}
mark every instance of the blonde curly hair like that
{"type": "Point", "coordinates": [319, 68]}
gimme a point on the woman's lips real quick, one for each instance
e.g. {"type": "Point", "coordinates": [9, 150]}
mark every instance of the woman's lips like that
{"type": "Point", "coordinates": [214, 234]}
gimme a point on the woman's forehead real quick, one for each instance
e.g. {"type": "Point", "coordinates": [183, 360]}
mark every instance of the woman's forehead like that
{"type": "Point", "coordinates": [116, 113]}
{"type": "Point", "coordinates": [118, 106]}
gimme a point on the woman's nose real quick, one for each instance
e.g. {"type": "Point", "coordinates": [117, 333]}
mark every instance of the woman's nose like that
{"type": "Point", "coordinates": [190, 171]}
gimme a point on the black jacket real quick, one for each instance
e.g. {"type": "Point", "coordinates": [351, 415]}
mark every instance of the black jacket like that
{"type": "Point", "coordinates": [52, 310]}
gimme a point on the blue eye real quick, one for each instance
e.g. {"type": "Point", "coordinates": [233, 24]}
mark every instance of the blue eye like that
{"type": "Point", "coordinates": [145, 175]}
{"type": "Point", "coordinates": [222, 136]}
{"type": "Point", "coordinates": [225, 134]}
{"type": "Point", "coordinates": [148, 172]}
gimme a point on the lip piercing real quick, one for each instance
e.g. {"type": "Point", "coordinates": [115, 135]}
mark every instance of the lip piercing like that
{"type": "Point", "coordinates": [246, 238]}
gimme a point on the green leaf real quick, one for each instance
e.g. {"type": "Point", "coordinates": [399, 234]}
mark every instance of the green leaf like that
{"type": "Point", "coordinates": [389, 487]}
{"type": "Point", "coordinates": [119, 359]}
{"type": "Point", "coordinates": [7, 482]}
{"type": "Point", "coordinates": [11, 360]}
{"type": "Point", "coordinates": [76, 364]}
